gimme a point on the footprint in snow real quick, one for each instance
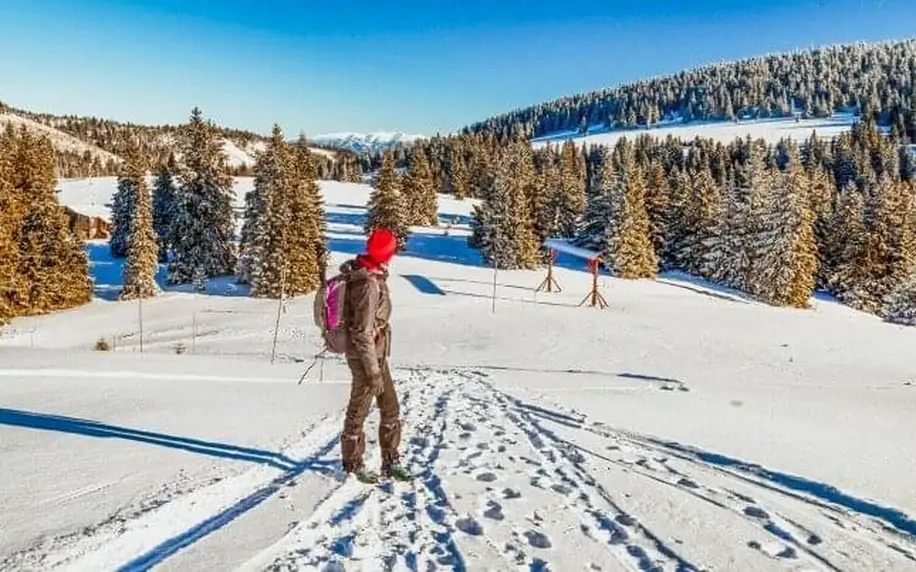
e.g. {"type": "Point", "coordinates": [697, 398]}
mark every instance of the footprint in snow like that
{"type": "Point", "coordinates": [756, 512]}
{"type": "Point", "coordinates": [561, 489]}
{"type": "Point", "coordinates": [538, 539]}
{"type": "Point", "coordinates": [468, 426]}
{"type": "Point", "coordinates": [626, 520]}
{"type": "Point", "coordinates": [510, 494]}
{"type": "Point", "coordinates": [494, 511]}
{"type": "Point", "coordinates": [469, 526]}
{"type": "Point", "coordinates": [685, 482]}
{"type": "Point", "coordinates": [486, 477]}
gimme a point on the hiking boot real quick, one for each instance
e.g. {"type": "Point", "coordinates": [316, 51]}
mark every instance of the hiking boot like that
{"type": "Point", "coordinates": [366, 476]}
{"type": "Point", "coordinates": [397, 472]}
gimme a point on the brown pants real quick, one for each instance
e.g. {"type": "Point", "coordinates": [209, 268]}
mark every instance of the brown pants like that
{"type": "Point", "coordinates": [353, 440]}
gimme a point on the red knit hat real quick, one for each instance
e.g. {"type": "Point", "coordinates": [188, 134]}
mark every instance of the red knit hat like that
{"type": "Point", "coordinates": [381, 245]}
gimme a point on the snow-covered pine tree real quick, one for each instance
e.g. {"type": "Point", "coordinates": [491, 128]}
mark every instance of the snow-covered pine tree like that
{"type": "Point", "coordinates": [142, 250]}
{"type": "Point", "coordinates": [306, 243]}
{"type": "Point", "coordinates": [547, 203]}
{"type": "Point", "coordinates": [53, 266]}
{"type": "Point", "coordinates": [789, 264]}
{"type": "Point", "coordinates": [524, 239]}
{"type": "Point", "coordinates": [491, 226]}
{"type": "Point", "coordinates": [251, 226]}
{"type": "Point", "coordinates": [847, 239]}
{"type": "Point", "coordinates": [676, 235]}
{"type": "Point", "coordinates": [745, 232]}
{"type": "Point", "coordinates": [122, 209]}
{"type": "Point", "coordinates": [701, 214]}
{"type": "Point", "coordinates": [458, 171]}
{"type": "Point", "coordinates": [165, 206]}
{"type": "Point", "coordinates": [888, 253]}
{"type": "Point", "coordinates": [572, 189]}
{"type": "Point", "coordinates": [424, 208]}
{"type": "Point", "coordinates": [269, 230]}
{"type": "Point", "coordinates": [633, 254]}
{"type": "Point", "coordinates": [10, 220]}
{"type": "Point", "coordinates": [658, 197]}
{"type": "Point", "coordinates": [204, 228]}
{"type": "Point", "coordinates": [594, 232]}
{"type": "Point", "coordinates": [900, 305]}
{"type": "Point", "coordinates": [386, 208]}
{"type": "Point", "coordinates": [821, 195]}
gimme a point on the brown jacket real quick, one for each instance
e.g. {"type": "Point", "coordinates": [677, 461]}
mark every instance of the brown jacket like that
{"type": "Point", "coordinates": [368, 310]}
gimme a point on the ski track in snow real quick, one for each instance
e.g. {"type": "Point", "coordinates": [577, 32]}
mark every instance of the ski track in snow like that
{"type": "Point", "coordinates": [502, 483]}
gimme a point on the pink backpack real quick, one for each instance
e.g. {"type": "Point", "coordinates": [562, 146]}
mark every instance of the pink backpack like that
{"type": "Point", "coordinates": [329, 312]}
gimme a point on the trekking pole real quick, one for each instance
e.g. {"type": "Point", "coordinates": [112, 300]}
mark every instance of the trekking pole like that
{"type": "Point", "coordinates": [319, 355]}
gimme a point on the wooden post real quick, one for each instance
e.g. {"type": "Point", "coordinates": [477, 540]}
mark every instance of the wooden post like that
{"type": "Point", "coordinates": [273, 351]}
{"type": "Point", "coordinates": [194, 331]}
{"type": "Point", "coordinates": [549, 283]}
{"type": "Point", "coordinates": [597, 300]}
{"type": "Point", "coordinates": [495, 270]}
{"type": "Point", "coordinates": [140, 312]}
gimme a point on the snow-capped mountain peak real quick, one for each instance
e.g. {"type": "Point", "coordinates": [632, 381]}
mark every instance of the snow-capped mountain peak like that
{"type": "Point", "coordinates": [366, 142]}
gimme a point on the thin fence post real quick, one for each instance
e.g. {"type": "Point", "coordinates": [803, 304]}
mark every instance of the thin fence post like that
{"type": "Point", "coordinates": [273, 350]}
{"type": "Point", "coordinates": [194, 331]}
{"type": "Point", "coordinates": [495, 271]}
{"type": "Point", "coordinates": [140, 312]}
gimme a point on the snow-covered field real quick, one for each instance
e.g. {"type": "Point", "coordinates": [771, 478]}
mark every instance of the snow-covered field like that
{"type": "Point", "coordinates": [770, 130]}
{"type": "Point", "coordinates": [682, 428]}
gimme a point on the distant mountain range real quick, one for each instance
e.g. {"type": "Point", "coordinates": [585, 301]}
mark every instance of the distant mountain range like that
{"type": "Point", "coordinates": [365, 143]}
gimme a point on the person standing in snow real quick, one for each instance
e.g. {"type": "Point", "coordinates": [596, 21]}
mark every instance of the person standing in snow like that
{"type": "Point", "coordinates": [366, 316]}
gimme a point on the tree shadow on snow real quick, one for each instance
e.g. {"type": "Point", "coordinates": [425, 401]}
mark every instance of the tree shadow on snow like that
{"type": "Point", "coordinates": [349, 219]}
{"type": "Point", "coordinates": [107, 274]}
{"type": "Point", "coordinates": [88, 428]}
{"type": "Point", "coordinates": [435, 247]}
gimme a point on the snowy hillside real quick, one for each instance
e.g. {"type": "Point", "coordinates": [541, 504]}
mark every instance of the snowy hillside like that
{"type": "Point", "coordinates": [682, 428]}
{"type": "Point", "coordinates": [60, 140]}
{"type": "Point", "coordinates": [771, 130]}
{"type": "Point", "coordinates": [365, 142]}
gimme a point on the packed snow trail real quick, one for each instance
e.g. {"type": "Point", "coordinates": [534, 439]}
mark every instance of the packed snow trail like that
{"type": "Point", "coordinates": [502, 482]}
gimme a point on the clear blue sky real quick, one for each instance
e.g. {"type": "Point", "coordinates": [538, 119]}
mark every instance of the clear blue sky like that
{"type": "Point", "coordinates": [321, 66]}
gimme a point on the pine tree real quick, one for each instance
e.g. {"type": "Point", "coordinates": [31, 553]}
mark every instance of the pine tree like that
{"type": "Point", "coordinates": [789, 260]}
{"type": "Point", "coordinates": [306, 244]}
{"type": "Point", "coordinates": [460, 183]}
{"type": "Point", "coordinates": [204, 227]}
{"type": "Point", "coordinates": [633, 253]}
{"type": "Point", "coordinates": [900, 305]}
{"type": "Point", "coordinates": [423, 202]}
{"type": "Point", "coordinates": [386, 208]}
{"type": "Point", "coordinates": [491, 226]}
{"type": "Point", "coordinates": [547, 204]}
{"type": "Point", "coordinates": [887, 255]}
{"type": "Point", "coordinates": [122, 212]}
{"type": "Point", "coordinates": [269, 229]}
{"type": "Point", "coordinates": [572, 186]}
{"type": "Point", "coordinates": [847, 241]}
{"type": "Point", "coordinates": [593, 229]}
{"type": "Point", "coordinates": [53, 267]}
{"type": "Point", "coordinates": [820, 193]}
{"type": "Point", "coordinates": [142, 250]}
{"type": "Point", "coordinates": [165, 206]}
{"type": "Point", "coordinates": [10, 220]}
{"type": "Point", "coordinates": [525, 241]}
{"type": "Point", "coordinates": [657, 200]}
{"type": "Point", "coordinates": [700, 216]}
